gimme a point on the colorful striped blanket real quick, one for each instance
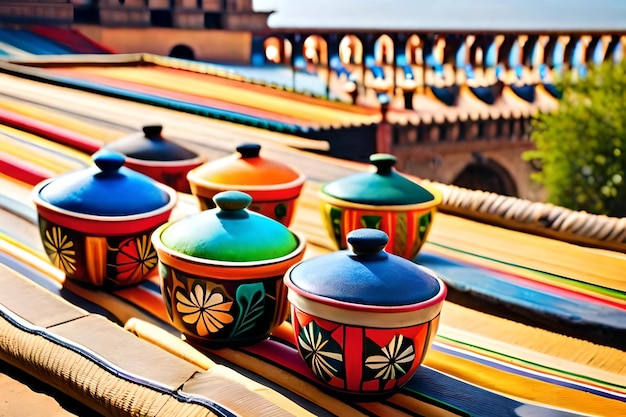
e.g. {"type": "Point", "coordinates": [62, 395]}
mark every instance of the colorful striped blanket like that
{"type": "Point", "coordinates": [533, 326]}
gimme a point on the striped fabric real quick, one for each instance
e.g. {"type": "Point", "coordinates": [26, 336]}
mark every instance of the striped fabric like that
{"type": "Point", "coordinates": [533, 327]}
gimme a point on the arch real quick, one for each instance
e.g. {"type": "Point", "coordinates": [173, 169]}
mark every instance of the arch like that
{"type": "Point", "coordinates": [461, 56]}
{"type": "Point", "coordinates": [465, 51]}
{"type": "Point", "coordinates": [538, 53]}
{"type": "Point", "coordinates": [384, 50]}
{"type": "Point", "coordinates": [578, 54]}
{"type": "Point", "coordinates": [274, 50]}
{"type": "Point", "coordinates": [485, 174]}
{"type": "Point", "coordinates": [617, 54]}
{"type": "Point", "coordinates": [597, 52]}
{"type": "Point", "coordinates": [436, 56]}
{"type": "Point", "coordinates": [504, 51]}
{"type": "Point", "coordinates": [514, 55]}
{"type": "Point", "coordinates": [493, 51]}
{"type": "Point", "coordinates": [315, 50]}
{"type": "Point", "coordinates": [351, 50]}
{"type": "Point", "coordinates": [558, 52]}
{"type": "Point", "coordinates": [182, 51]}
{"type": "Point", "coordinates": [415, 50]}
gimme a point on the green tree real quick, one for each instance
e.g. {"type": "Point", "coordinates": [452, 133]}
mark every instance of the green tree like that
{"type": "Point", "coordinates": [581, 144]}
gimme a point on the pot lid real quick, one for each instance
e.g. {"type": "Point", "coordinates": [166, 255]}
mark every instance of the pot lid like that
{"type": "Point", "coordinates": [246, 167]}
{"type": "Point", "coordinates": [230, 232]}
{"type": "Point", "coordinates": [150, 145]}
{"type": "Point", "coordinates": [383, 187]}
{"type": "Point", "coordinates": [365, 274]}
{"type": "Point", "coordinates": [106, 189]}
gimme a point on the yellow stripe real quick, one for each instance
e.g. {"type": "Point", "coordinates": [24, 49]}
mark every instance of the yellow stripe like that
{"type": "Point", "coordinates": [526, 389]}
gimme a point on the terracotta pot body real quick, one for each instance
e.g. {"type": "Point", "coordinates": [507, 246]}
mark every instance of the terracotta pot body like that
{"type": "Point", "coordinates": [222, 272]}
{"type": "Point", "coordinates": [273, 186]}
{"type": "Point", "coordinates": [93, 231]}
{"type": "Point", "coordinates": [364, 319]}
{"type": "Point", "coordinates": [383, 199]}
{"type": "Point", "coordinates": [151, 154]}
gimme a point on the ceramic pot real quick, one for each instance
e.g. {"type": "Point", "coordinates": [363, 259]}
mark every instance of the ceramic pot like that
{"type": "Point", "coordinates": [221, 272]}
{"type": "Point", "coordinates": [273, 186]}
{"type": "Point", "coordinates": [363, 318]}
{"type": "Point", "coordinates": [151, 154]}
{"type": "Point", "coordinates": [95, 223]}
{"type": "Point", "coordinates": [381, 199]}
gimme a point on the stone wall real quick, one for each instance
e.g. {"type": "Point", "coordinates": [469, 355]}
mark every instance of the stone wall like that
{"type": "Point", "coordinates": [50, 12]}
{"type": "Point", "coordinates": [208, 45]}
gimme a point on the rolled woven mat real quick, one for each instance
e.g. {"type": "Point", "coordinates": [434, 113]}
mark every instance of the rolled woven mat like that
{"type": "Point", "coordinates": [534, 217]}
{"type": "Point", "coordinates": [98, 363]}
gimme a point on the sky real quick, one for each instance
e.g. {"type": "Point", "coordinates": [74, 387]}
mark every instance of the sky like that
{"type": "Point", "coordinates": [507, 15]}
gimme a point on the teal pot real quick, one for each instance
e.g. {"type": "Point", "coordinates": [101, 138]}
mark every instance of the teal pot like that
{"type": "Point", "coordinates": [274, 186]}
{"type": "Point", "coordinates": [384, 199]}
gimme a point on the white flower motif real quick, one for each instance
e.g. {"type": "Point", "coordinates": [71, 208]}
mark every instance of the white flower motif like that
{"type": "Point", "coordinates": [390, 364]}
{"type": "Point", "coordinates": [312, 344]}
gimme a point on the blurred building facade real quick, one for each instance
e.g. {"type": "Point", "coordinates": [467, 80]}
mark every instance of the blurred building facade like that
{"type": "Point", "coordinates": [456, 101]}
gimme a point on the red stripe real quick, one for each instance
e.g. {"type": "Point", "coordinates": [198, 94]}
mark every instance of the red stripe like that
{"type": "Point", "coordinates": [544, 287]}
{"type": "Point", "coordinates": [23, 171]}
{"type": "Point", "coordinates": [52, 132]}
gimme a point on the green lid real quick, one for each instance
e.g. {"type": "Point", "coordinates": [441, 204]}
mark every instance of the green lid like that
{"type": "Point", "coordinates": [383, 187]}
{"type": "Point", "coordinates": [230, 233]}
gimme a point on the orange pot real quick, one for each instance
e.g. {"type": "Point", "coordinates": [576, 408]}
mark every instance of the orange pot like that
{"type": "Point", "coordinates": [273, 186]}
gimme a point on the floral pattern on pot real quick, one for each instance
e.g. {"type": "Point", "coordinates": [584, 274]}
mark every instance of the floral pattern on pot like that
{"type": "Point", "coordinates": [407, 230]}
{"type": "Point", "coordinates": [223, 311]}
{"type": "Point", "coordinates": [206, 309]}
{"type": "Point", "coordinates": [112, 262]}
{"type": "Point", "coordinates": [60, 249]}
{"type": "Point", "coordinates": [358, 360]}
{"type": "Point", "coordinates": [135, 257]}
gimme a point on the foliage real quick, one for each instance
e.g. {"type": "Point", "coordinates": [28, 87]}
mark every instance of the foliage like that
{"type": "Point", "coordinates": [581, 145]}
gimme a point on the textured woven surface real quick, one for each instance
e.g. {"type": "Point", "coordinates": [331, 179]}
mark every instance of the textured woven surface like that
{"type": "Point", "coordinates": [485, 360]}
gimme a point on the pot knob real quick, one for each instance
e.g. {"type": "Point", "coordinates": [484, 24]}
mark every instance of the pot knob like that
{"type": "Point", "coordinates": [366, 241]}
{"type": "Point", "coordinates": [232, 202]}
{"type": "Point", "coordinates": [153, 132]}
{"type": "Point", "coordinates": [383, 162]}
{"type": "Point", "coordinates": [109, 162]}
{"type": "Point", "coordinates": [249, 150]}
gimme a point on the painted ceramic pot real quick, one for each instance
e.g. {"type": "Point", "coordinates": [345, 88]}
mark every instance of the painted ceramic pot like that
{"type": "Point", "coordinates": [221, 272]}
{"type": "Point", "coordinates": [273, 186]}
{"type": "Point", "coordinates": [363, 319]}
{"type": "Point", "coordinates": [96, 222]}
{"type": "Point", "coordinates": [151, 154]}
{"type": "Point", "coordinates": [383, 199]}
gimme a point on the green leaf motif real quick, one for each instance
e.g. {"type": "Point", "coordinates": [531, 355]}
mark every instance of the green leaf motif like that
{"type": "Point", "coordinates": [251, 301]}
{"type": "Point", "coordinates": [372, 222]}
{"type": "Point", "coordinates": [335, 220]}
{"type": "Point", "coordinates": [423, 223]}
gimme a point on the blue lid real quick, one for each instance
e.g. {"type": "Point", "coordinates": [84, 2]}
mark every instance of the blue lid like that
{"type": "Point", "coordinates": [365, 274]}
{"type": "Point", "coordinates": [106, 189]}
